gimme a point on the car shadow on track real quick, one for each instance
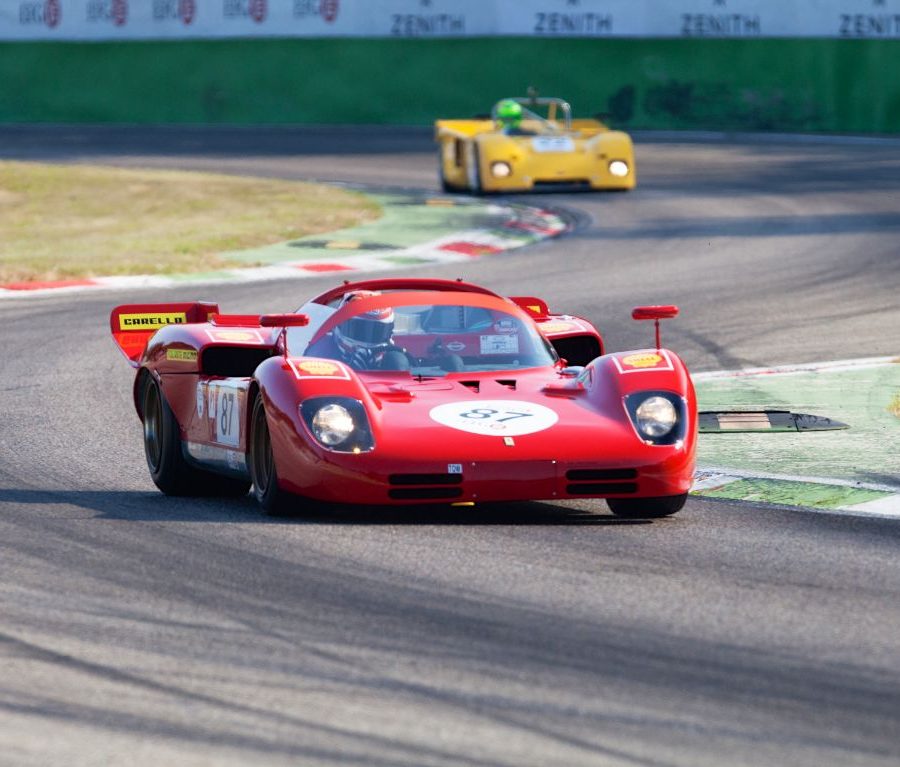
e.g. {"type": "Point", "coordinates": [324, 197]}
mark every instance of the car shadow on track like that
{"type": "Point", "coordinates": [151, 506]}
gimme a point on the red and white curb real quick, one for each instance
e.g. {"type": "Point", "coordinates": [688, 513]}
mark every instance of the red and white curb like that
{"type": "Point", "coordinates": [524, 226]}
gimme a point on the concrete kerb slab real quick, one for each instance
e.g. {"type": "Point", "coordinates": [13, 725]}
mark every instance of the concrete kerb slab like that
{"type": "Point", "coordinates": [416, 229]}
{"type": "Point", "coordinates": [847, 472]}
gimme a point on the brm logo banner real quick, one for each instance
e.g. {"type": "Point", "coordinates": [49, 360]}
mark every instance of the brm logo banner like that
{"type": "Point", "coordinates": [113, 12]}
{"type": "Point", "coordinates": [245, 9]}
{"type": "Point", "coordinates": [45, 13]}
{"type": "Point", "coordinates": [184, 11]}
{"type": "Point", "coordinates": [327, 10]}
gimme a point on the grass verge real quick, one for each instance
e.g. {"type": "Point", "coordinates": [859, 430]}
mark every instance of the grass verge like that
{"type": "Point", "coordinates": [68, 221]}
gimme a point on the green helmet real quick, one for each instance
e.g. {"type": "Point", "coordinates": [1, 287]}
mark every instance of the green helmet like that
{"type": "Point", "coordinates": [509, 112]}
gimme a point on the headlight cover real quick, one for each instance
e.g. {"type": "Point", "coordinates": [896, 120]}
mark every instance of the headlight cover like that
{"type": "Point", "coordinates": [657, 416]}
{"type": "Point", "coordinates": [501, 169]}
{"type": "Point", "coordinates": [338, 423]}
{"type": "Point", "coordinates": [618, 168]}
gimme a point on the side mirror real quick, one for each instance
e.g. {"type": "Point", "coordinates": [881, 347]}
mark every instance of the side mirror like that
{"type": "Point", "coordinates": [655, 313]}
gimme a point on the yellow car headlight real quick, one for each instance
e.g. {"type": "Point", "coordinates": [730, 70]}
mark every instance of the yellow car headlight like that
{"type": "Point", "coordinates": [501, 169]}
{"type": "Point", "coordinates": [619, 168]}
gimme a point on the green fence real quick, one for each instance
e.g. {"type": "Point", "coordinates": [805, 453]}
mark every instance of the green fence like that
{"type": "Point", "coordinates": [740, 84]}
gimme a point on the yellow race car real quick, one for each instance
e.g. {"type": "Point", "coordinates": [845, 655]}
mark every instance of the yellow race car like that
{"type": "Point", "coordinates": [532, 144]}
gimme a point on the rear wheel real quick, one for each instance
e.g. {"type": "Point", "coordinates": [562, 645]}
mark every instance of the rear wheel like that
{"type": "Point", "coordinates": [474, 169]}
{"type": "Point", "coordinates": [646, 508]}
{"type": "Point", "coordinates": [445, 186]}
{"type": "Point", "coordinates": [274, 500]}
{"type": "Point", "coordinates": [169, 470]}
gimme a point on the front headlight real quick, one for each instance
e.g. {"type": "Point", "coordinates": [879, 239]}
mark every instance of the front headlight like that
{"type": "Point", "coordinates": [501, 169]}
{"type": "Point", "coordinates": [332, 424]}
{"type": "Point", "coordinates": [618, 168]}
{"type": "Point", "coordinates": [655, 417]}
{"type": "Point", "coordinates": [658, 416]}
{"type": "Point", "coordinates": [338, 423]}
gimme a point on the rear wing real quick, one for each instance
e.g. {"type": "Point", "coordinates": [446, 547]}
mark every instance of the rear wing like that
{"type": "Point", "coordinates": [133, 325]}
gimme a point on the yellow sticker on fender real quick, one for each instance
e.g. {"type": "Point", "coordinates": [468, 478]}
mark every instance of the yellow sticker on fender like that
{"type": "Point", "coordinates": [641, 360]}
{"type": "Point", "coordinates": [318, 368]}
{"type": "Point", "coordinates": [556, 327]}
{"type": "Point", "coordinates": [150, 321]}
{"type": "Point", "coordinates": [181, 355]}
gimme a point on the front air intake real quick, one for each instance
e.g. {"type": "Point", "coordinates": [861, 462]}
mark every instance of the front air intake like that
{"type": "Point", "coordinates": [602, 488]}
{"type": "Point", "coordinates": [600, 475]}
{"type": "Point", "coordinates": [425, 479]}
{"type": "Point", "coordinates": [424, 493]}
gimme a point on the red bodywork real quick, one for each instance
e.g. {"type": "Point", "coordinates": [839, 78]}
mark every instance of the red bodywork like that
{"type": "Point", "coordinates": [212, 368]}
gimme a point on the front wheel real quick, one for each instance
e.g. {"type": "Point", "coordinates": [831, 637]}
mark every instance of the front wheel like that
{"type": "Point", "coordinates": [646, 508]}
{"type": "Point", "coordinates": [275, 501]}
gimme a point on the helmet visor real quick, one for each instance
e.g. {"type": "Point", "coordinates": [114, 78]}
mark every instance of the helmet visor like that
{"type": "Point", "coordinates": [367, 331]}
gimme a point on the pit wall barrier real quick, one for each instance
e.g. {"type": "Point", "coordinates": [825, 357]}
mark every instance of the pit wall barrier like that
{"type": "Point", "coordinates": [755, 84]}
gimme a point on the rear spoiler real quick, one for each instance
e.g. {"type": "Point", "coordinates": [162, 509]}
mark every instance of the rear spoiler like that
{"type": "Point", "coordinates": [133, 325]}
{"type": "Point", "coordinates": [536, 307]}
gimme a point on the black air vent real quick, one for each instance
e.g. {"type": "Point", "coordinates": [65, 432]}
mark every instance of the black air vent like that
{"type": "Point", "coordinates": [600, 475]}
{"type": "Point", "coordinates": [424, 493]}
{"type": "Point", "coordinates": [475, 386]}
{"type": "Point", "coordinates": [425, 479]}
{"type": "Point", "coordinates": [232, 361]}
{"type": "Point", "coordinates": [509, 383]}
{"type": "Point", "coordinates": [605, 488]}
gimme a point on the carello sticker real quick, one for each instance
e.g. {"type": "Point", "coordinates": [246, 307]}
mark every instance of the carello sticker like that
{"type": "Point", "coordinates": [181, 355]}
{"type": "Point", "coordinates": [149, 321]}
{"type": "Point", "coordinates": [638, 361]}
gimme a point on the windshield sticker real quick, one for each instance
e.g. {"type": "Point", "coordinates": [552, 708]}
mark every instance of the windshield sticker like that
{"type": "Point", "coordinates": [505, 326]}
{"type": "Point", "coordinates": [313, 368]}
{"type": "Point", "coordinates": [552, 144]}
{"type": "Point", "coordinates": [505, 344]}
{"type": "Point", "coordinates": [495, 418]}
{"type": "Point", "coordinates": [643, 362]}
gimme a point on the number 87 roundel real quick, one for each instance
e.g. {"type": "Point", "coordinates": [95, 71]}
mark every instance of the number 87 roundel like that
{"type": "Point", "coordinates": [371, 392]}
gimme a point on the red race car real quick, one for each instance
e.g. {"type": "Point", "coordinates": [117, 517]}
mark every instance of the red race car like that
{"type": "Point", "coordinates": [408, 391]}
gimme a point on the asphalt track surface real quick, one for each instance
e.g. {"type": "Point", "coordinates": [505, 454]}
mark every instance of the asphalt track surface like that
{"type": "Point", "coordinates": [138, 629]}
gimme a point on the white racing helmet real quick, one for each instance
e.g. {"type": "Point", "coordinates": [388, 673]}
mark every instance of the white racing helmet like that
{"type": "Point", "coordinates": [364, 333]}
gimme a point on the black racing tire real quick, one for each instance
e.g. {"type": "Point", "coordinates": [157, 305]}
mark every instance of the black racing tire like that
{"type": "Point", "coordinates": [169, 469]}
{"type": "Point", "coordinates": [477, 189]}
{"type": "Point", "coordinates": [274, 501]}
{"type": "Point", "coordinates": [445, 186]}
{"type": "Point", "coordinates": [646, 508]}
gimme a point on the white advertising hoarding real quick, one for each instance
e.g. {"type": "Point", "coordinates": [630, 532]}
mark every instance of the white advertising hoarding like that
{"type": "Point", "coordinates": [162, 19]}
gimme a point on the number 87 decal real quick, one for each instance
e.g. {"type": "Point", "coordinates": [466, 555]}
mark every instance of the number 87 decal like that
{"type": "Point", "coordinates": [495, 417]}
{"type": "Point", "coordinates": [485, 413]}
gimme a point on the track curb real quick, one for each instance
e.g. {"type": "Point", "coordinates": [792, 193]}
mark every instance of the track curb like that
{"type": "Point", "coordinates": [810, 493]}
{"type": "Point", "coordinates": [505, 226]}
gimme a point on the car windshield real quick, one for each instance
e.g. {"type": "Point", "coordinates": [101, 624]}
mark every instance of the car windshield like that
{"type": "Point", "coordinates": [425, 340]}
